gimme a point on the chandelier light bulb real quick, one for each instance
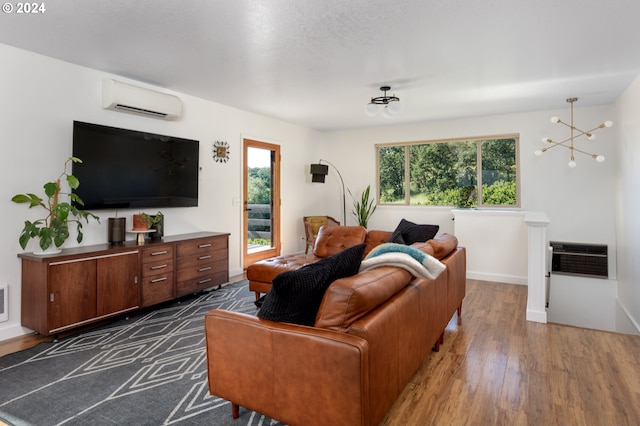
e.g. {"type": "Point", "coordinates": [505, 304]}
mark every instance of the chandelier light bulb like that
{"type": "Point", "coordinates": [386, 112]}
{"type": "Point", "coordinates": [372, 109]}
{"type": "Point", "coordinates": [608, 123]}
{"type": "Point", "coordinates": [591, 136]}
{"type": "Point", "coordinates": [545, 140]}
{"type": "Point", "coordinates": [394, 107]}
{"type": "Point", "coordinates": [572, 164]}
{"type": "Point", "coordinates": [600, 158]}
{"type": "Point", "coordinates": [554, 119]}
{"type": "Point", "coordinates": [538, 153]}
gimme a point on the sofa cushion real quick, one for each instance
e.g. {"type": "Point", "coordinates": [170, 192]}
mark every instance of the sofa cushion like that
{"type": "Point", "coordinates": [267, 269]}
{"type": "Point", "coordinates": [334, 239]}
{"type": "Point", "coordinates": [443, 245]}
{"type": "Point", "coordinates": [296, 295]}
{"type": "Point", "coordinates": [348, 300]}
{"type": "Point", "coordinates": [374, 239]}
{"type": "Point", "coordinates": [408, 233]}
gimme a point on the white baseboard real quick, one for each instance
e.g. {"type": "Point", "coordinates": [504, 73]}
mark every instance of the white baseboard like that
{"type": "Point", "coordinates": [628, 316]}
{"type": "Point", "coordinates": [507, 279]}
{"type": "Point", "coordinates": [235, 272]}
{"type": "Point", "coordinates": [12, 330]}
{"type": "Point", "coordinates": [536, 316]}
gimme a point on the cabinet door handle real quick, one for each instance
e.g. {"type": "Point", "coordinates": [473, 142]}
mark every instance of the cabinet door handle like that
{"type": "Point", "coordinates": [204, 269]}
{"type": "Point", "coordinates": [159, 266]}
{"type": "Point", "coordinates": [204, 281]}
{"type": "Point", "coordinates": [157, 280]}
{"type": "Point", "coordinates": [157, 253]}
{"type": "Point", "coordinates": [204, 257]}
{"type": "Point", "coordinates": [204, 245]}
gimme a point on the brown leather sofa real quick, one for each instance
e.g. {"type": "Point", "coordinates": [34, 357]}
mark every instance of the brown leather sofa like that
{"type": "Point", "coordinates": [372, 332]}
{"type": "Point", "coordinates": [330, 240]}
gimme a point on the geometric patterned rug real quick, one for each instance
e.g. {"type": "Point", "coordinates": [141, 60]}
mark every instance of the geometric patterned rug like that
{"type": "Point", "coordinates": [148, 369]}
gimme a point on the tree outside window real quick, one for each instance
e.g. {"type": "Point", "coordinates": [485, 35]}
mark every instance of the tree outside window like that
{"type": "Point", "coordinates": [462, 173]}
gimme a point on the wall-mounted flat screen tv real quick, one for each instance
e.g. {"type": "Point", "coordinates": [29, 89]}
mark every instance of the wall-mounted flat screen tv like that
{"type": "Point", "coordinates": [132, 169]}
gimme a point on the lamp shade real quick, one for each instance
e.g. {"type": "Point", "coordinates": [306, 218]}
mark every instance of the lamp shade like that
{"type": "Point", "coordinates": [318, 172]}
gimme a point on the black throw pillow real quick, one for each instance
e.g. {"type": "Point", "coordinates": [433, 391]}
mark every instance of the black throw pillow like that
{"type": "Point", "coordinates": [295, 296]}
{"type": "Point", "coordinates": [408, 233]}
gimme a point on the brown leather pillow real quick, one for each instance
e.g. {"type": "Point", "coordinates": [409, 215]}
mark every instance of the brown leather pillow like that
{"type": "Point", "coordinates": [443, 245]}
{"type": "Point", "coordinates": [334, 239]}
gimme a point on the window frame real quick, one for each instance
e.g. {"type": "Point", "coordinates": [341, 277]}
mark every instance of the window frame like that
{"type": "Point", "coordinates": [478, 140]}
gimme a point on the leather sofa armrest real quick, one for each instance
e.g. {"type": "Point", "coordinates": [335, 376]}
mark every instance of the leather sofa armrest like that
{"type": "Point", "coordinates": [289, 365]}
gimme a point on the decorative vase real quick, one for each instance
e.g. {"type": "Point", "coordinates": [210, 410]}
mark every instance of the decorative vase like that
{"type": "Point", "coordinates": [117, 229]}
{"type": "Point", "coordinates": [158, 225]}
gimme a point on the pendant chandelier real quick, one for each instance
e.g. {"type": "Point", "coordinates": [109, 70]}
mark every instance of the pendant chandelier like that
{"type": "Point", "coordinates": [390, 105]}
{"type": "Point", "coordinates": [569, 143]}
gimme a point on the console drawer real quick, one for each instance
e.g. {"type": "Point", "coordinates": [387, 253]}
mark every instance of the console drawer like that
{"type": "Point", "coordinates": [203, 282]}
{"type": "Point", "coordinates": [202, 259]}
{"type": "Point", "coordinates": [200, 271]}
{"type": "Point", "coordinates": [200, 247]}
{"type": "Point", "coordinates": [156, 254]}
{"type": "Point", "coordinates": [158, 267]}
{"type": "Point", "coordinates": [157, 288]}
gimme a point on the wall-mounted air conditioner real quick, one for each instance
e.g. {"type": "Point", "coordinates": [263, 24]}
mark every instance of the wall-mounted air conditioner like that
{"type": "Point", "coordinates": [588, 260]}
{"type": "Point", "coordinates": [125, 97]}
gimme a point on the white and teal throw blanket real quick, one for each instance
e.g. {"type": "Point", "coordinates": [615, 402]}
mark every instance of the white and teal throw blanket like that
{"type": "Point", "coordinates": [418, 263]}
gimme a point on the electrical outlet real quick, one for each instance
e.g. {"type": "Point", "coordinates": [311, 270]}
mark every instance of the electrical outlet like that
{"type": "Point", "coordinates": [4, 303]}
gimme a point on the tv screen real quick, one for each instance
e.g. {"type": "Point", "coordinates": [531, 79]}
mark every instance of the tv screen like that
{"type": "Point", "coordinates": [131, 169]}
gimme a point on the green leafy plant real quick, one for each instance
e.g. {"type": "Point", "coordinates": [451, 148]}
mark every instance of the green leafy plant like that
{"type": "Point", "coordinates": [363, 208]}
{"type": "Point", "coordinates": [149, 219]}
{"type": "Point", "coordinates": [54, 227]}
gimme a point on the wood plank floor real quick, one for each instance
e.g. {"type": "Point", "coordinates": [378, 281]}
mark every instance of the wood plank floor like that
{"type": "Point", "coordinates": [498, 369]}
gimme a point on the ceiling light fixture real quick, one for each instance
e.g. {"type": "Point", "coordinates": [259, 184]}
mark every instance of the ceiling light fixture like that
{"type": "Point", "coordinates": [571, 145]}
{"type": "Point", "coordinates": [391, 104]}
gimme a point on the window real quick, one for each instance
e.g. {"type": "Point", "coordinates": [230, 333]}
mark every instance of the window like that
{"type": "Point", "coordinates": [480, 172]}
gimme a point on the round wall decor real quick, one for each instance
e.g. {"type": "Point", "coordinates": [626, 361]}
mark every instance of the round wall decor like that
{"type": "Point", "coordinates": [220, 151]}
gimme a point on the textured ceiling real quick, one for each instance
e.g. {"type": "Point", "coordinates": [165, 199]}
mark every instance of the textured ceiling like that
{"type": "Point", "coordinates": [317, 63]}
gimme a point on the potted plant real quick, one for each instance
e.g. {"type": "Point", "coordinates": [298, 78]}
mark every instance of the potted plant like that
{"type": "Point", "coordinates": [54, 227]}
{"type": "Point", "coordinates": [144, 221]}
{"type": "Point", "coordinates": [141, 222]}
{"type": "Point", "coordinates": [363, 208]}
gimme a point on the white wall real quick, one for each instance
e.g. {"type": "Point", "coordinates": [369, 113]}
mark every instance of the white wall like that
{"type": "Point", "coordinates": [490, 256]}
{"type": "Point", "coordinates": [579, 202]}
{"type": "Point", "coordinates": [627, 186]}
{"type": "Point", "coordinates": [40, 99]}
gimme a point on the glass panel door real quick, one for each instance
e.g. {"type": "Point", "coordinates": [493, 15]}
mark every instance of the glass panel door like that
{"type": "Point", "coordinates": [261, 201]}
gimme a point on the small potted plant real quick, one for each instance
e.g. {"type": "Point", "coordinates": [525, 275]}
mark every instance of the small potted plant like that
{"type": "Point", "coordinates": [363, 208]}
{"type": "Point", "coordinates": [141, 222]}
{"type": "Point", "coordinates": [144, 221]}
{"type": "Point", "coordinates": [53, 229]}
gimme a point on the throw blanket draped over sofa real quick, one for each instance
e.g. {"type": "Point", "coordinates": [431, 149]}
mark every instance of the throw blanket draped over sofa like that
{"type": "Point", "coordinates": [371, 333]}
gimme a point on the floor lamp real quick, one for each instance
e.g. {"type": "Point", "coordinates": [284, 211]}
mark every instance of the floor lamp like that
{"type": "Point", "coordinates": [318, 172]}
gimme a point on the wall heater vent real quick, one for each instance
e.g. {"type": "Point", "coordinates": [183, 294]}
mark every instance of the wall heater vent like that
{"type": "Point", "coordinates": [589, 260]}
{"type": "Point", "coordinates": [4, 303]}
